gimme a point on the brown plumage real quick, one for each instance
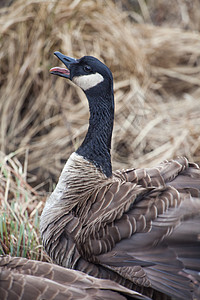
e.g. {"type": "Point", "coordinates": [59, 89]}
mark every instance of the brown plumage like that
{"type": "Point", "coordinates": [138, 227]}
{"type": "Point", "coordinates": [23, 279]}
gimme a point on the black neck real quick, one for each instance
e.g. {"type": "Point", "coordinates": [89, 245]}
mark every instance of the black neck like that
{"type": "Point", "coordinates": [97, 143]}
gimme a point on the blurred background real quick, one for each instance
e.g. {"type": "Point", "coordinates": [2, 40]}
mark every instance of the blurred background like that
{"type": "Point", "coordinates": [153, 49]}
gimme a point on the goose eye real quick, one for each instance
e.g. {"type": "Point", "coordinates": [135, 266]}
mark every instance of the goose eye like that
{"type": "Point", "coordinates": [87, 68]}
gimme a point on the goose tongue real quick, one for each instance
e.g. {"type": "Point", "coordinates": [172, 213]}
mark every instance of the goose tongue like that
{"type": "Point", "coordinates": [57, 70]}
{"type": "Point", "coordinates": [60, 72]}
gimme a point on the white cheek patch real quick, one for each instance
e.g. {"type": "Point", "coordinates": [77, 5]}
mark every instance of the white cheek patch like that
{"type": "Point", "coordinates": [86, 82]}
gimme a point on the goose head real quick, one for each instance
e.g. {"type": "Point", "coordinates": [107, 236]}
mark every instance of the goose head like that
{"type": "Point", "coordinates": [89, 73]}
{"type": "Point", "coordinates": [96, 80]}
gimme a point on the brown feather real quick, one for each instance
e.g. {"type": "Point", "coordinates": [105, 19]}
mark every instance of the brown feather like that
{"type": "Point", "coordinates": [27, 279]}
{"type": "Point", "coordinates": [120, 227]}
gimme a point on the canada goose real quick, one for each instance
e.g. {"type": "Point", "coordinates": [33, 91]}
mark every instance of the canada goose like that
{"type": "Point", "coordinates": [138, 227]}
{"type": "Point", "coordinates": [23, 279]}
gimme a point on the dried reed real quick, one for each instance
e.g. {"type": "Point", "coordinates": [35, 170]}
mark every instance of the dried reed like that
{"type": "Point", "coordinates": [156, 71]}
{"type": "Point", "coordinates": [20, 206]}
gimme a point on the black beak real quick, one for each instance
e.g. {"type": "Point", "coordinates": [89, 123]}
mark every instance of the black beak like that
{"type": "Point", "coordinates": [67, 62]}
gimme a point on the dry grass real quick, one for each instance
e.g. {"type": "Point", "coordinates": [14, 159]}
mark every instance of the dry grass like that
{"type": "Point", "coordinates": [20, 206]}
{"type": "Point", "coordinates": [157, 86]}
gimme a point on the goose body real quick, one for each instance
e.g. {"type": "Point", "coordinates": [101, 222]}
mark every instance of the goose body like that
{"type": "Point", "coordinates": [22, 279]}
{"type": "Point", "coordinates": [137, 227]}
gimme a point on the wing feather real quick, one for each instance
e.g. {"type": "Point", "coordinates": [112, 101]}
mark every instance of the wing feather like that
{"type": "Point", "coordinates": [27, 279]}
{"type": "Point", "coordinates": [131, 229]}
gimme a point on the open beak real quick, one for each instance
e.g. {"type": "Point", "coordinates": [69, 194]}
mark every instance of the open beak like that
{"type": "Point", "coordinates": [63, 72]}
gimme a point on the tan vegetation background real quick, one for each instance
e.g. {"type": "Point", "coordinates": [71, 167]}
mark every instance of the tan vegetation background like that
{"type": "Point", "coordinates": [153, 50]}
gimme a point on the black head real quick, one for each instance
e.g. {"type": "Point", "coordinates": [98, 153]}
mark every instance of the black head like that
{"type": "Point", "coordinates": [96, 81]}
{"type": "Point", "coordinates": [86, 72]}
